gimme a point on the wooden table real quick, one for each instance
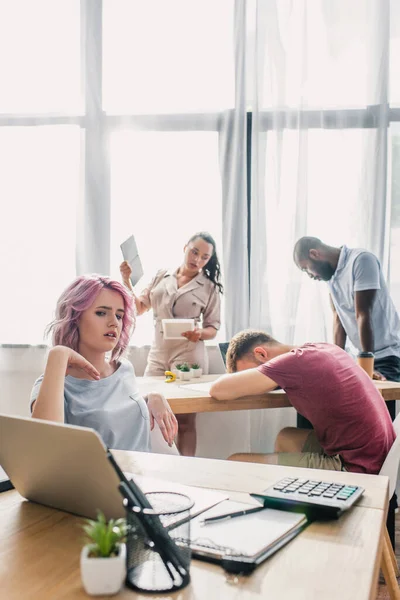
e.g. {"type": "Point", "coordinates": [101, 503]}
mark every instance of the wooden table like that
{"type": "Point", "coordinates": [184, 400]}
{"type": "Point", "coordinates": [39, 550]}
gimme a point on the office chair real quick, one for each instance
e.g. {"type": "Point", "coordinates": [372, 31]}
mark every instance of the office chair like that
{"type": "Point", "coordinates": [390, 468]}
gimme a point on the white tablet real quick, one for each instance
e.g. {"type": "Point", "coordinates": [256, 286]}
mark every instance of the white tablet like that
{"type": "Point", "coordinates": [131, 254]}
{"type": "Point", "coordinates": [173, 328]}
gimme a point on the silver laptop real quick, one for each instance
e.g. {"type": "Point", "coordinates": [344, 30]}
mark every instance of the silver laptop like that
{"type": "Point", "coordinates": [62, 466]}
{"type": "Point", "coordinates": [216, 364]}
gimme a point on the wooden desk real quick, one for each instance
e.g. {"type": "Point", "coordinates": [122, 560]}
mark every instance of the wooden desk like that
{"type": "Point", "coordinates": [188, 401]}
{"type": "Point", "coordinates": [39, 553]}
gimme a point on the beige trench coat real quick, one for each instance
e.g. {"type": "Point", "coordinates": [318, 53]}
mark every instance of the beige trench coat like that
{"type": "Point", "coordinates": [199, 299]}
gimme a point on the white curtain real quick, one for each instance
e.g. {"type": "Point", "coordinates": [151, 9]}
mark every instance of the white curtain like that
{"type": "Point", "coordinates": [233, 166]}
{"type": "Point", "coordinates": [179, 98]}
{"type": "Point", "coordinates": [319, 95]}
{"type": "Point", "coordinates": [227, 433]}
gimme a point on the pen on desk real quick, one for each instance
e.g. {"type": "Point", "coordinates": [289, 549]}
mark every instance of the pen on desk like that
{"type": "Point", "coordinates": [239, 513]}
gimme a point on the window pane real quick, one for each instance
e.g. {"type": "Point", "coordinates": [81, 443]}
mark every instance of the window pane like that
{"type": "Point", "coordinates": [167, 57]}
{"type": "Point", "coordinates": [39, 56]}
{"type": "Point", "coordinates": [332, 166]}
{"type": "Point", "coordinates": [319, 181]}
{"type": "Point", "coordinates": [322, 54]}
{"type": "Point", "coordinates": [164, 188]}
{"type": "Point", "coordinates": [394, 87]}
{"type": "Point", "coordinates": [39, 189]}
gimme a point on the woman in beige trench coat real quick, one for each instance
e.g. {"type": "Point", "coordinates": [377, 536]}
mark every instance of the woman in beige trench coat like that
{"type": "Point", "coordinates": [191, 292]}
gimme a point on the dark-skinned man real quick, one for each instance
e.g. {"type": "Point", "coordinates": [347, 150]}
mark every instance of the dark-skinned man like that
{"type": "Point", "coordinates": [363, 310]}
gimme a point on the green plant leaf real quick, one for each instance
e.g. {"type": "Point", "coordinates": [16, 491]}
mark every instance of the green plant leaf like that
{"type": "Point", "coordinates": [104, 537]}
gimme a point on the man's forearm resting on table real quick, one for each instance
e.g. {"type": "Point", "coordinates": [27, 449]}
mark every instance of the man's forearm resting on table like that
{"type": "Point", "coordinates": [246, 383]}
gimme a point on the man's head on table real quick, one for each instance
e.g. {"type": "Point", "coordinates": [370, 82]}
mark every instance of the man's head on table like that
{"type": "Point", "coordinates": [251, 348]}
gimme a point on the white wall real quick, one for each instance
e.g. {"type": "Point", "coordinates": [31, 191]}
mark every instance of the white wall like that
{"type": "Point", "coordinates": [19, 368]}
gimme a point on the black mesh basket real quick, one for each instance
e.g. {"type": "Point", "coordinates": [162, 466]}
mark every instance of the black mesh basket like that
{"type": "Point", "coordinates": [147, 569]}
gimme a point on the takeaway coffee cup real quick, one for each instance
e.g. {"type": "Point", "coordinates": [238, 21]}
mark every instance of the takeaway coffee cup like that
{"type": "Point", "coordinates": [366, 362]}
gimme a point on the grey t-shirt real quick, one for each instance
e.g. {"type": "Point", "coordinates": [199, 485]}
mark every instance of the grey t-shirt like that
{"type": "Point", "coordinates": [112, 406]}
{"type": "Point", "coordinates": [359, 270]}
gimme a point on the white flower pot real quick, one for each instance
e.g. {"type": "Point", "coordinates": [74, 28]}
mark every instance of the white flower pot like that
{"type": "Point", "coordinates": [185, 375]}
{"type": "Point", "coordinates": [103, 576]}
{"type": "Point", "coordinates": [197, 372]}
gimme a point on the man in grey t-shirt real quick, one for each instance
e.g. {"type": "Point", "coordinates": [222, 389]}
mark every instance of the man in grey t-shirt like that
{"type": "Point", "coordinates": [364, 313]}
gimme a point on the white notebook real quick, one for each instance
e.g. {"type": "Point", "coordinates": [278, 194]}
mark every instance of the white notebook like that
{"type": "Point", "coordinates": [131, 255]}
{"type": "Point", "coordinates": [198, 387]}
{"type": "Point", "coordinates": [205, 387]}
{"type": "Point", "coordinates": [203, 498]}
{"type": "Point", "coordinates": [173, 328]}
{"type": "Point", "coordinates": [247, 536]}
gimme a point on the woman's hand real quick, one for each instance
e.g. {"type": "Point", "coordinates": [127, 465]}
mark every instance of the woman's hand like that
{"type": "Point", "coordinates": [49, 404]}
{"type": "Point", "coordinates": [73, 359]}
{"type": "Point", "coordinates": [161, 412]}
{"type": "Point", "coordinates": [126, 272]}
{"type": "Point", "coordinates": [192, 336]}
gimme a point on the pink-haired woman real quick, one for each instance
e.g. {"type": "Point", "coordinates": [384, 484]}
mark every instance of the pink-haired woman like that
{"type": "Point", "coordinates": [95, 317]}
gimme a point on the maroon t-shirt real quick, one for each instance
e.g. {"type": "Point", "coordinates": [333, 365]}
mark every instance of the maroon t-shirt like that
{"type": "Point", "coordinates": [347, 411]}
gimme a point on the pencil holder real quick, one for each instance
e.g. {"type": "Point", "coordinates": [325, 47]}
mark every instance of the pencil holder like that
{"type": "Point", "coordinates": [147, 569]}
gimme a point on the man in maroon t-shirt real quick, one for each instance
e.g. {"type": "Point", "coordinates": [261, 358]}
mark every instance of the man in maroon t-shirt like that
{"type": "Point", "coordinates": [352, 427]}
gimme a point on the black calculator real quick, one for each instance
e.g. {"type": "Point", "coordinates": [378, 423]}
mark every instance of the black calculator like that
{"type": "Point", "coordinates": [316, 499]}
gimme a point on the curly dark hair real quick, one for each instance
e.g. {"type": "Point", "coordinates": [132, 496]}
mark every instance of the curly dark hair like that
{"type": "Point", "coordinates": [243, 343]}
{"type": "Point", "coordinates": [212, 270]}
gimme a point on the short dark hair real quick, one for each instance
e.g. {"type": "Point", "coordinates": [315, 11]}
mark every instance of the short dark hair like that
{"type": "Point", "coordinates": [242, 344]}
{"type": "Point", "coordinates": [302, 247]}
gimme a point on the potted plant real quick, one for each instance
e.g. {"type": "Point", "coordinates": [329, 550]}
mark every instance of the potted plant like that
{"type": "Point", "coordinates": [103, 558]}
{"type": "Point", "coordinates": [177, 369]}
{"type": "Point", "coordinates": [197, 371]}
{"type": "Point", "coordinates": [185, 372]}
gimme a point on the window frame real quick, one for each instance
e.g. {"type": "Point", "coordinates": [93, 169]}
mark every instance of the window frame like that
{"type": "Point", "coordinates": [92, 224]}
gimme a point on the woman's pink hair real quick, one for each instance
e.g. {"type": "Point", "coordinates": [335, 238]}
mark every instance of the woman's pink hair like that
{"type": "Point", "coordinates": [79, 296]}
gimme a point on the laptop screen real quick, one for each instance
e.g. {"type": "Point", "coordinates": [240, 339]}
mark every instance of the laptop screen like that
{"type": "Point", "coordinates": [223, 346]}
{"type": "Point", "coordinates": [216, 362]}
